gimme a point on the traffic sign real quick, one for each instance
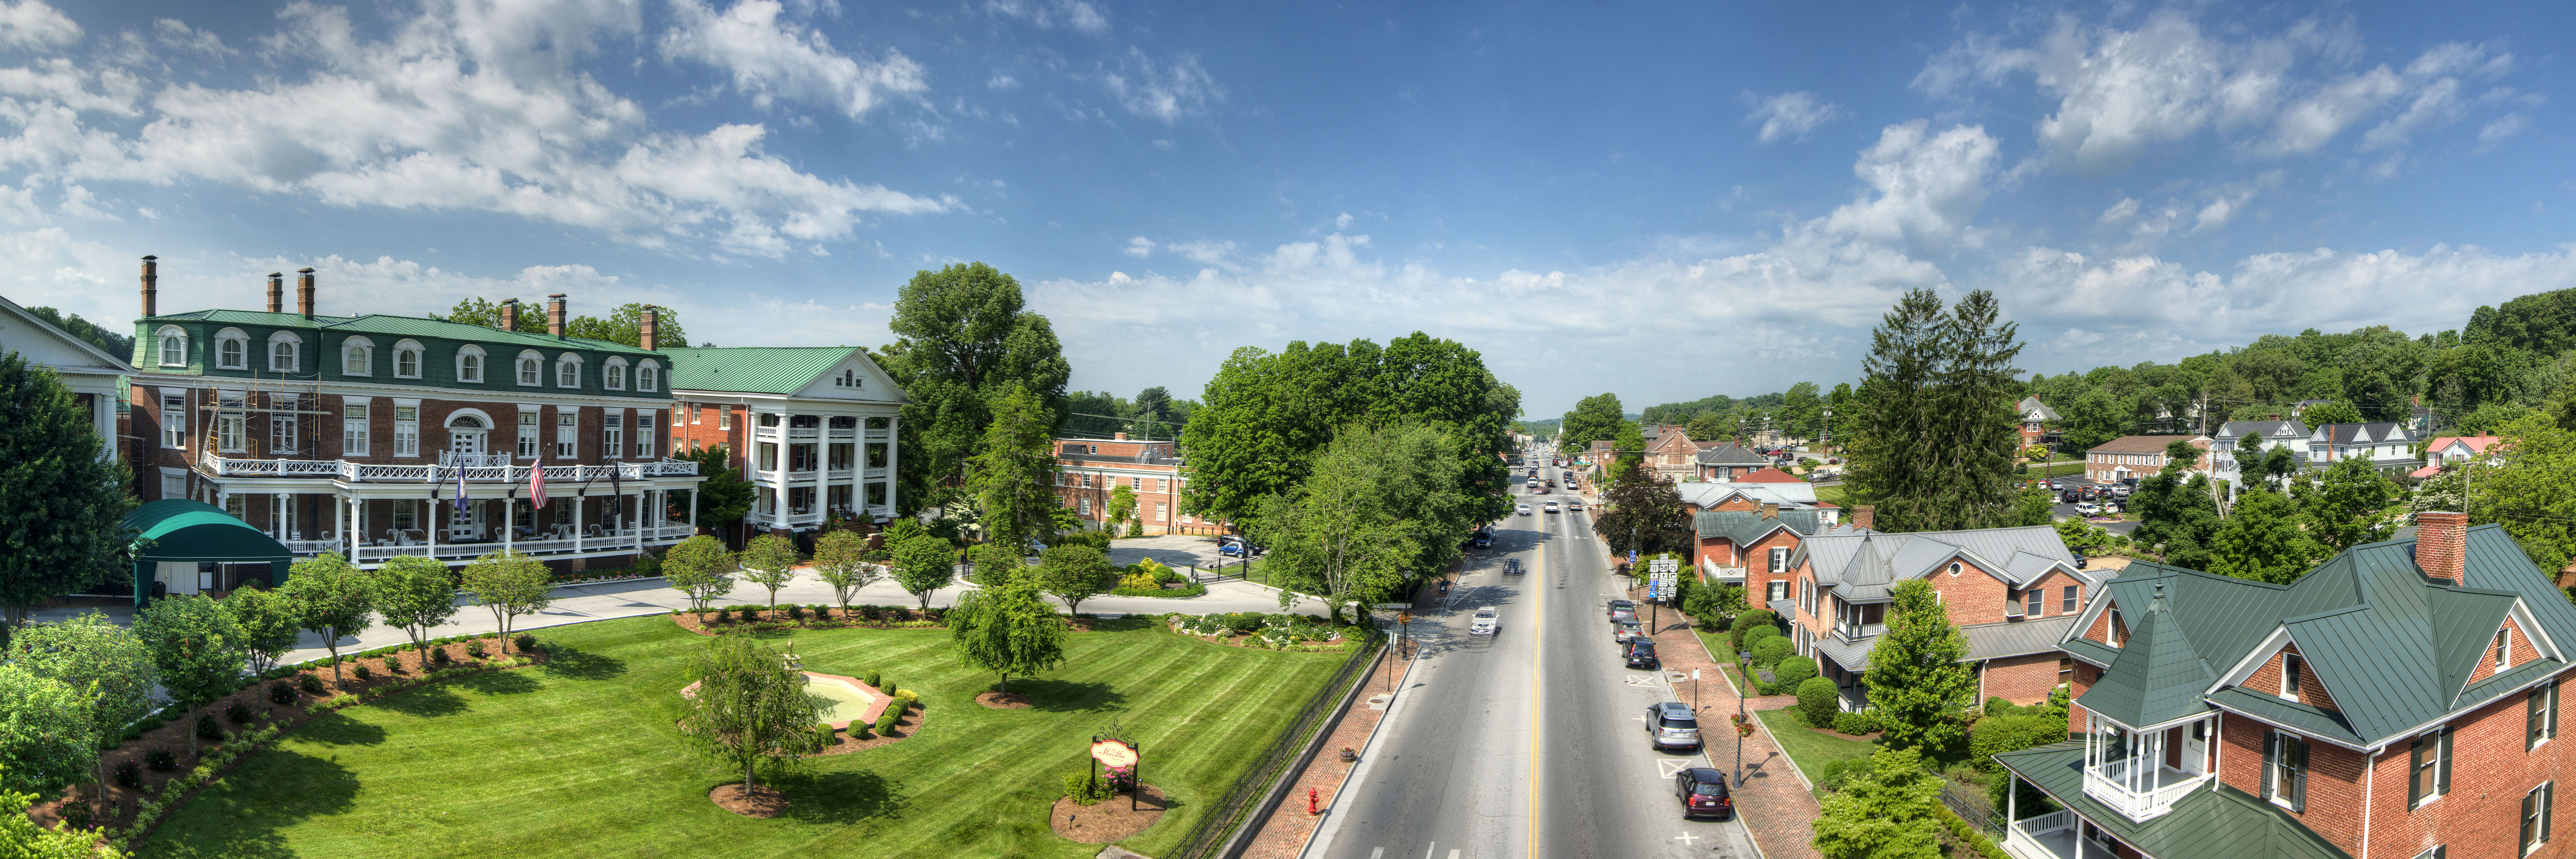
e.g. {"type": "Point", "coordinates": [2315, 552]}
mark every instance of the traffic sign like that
{"type": "Point", "coordinates": [1632, 556]}
{"type": "Point", "coordinates": [1664, 565]}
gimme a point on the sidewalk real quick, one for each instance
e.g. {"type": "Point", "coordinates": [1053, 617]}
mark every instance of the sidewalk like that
{"type": "Point", "coordinates": [1775, 802]}
{"type": "Point", "coordinates": [1289, 828]}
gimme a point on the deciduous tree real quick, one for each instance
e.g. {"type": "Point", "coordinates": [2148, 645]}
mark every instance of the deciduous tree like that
{"type": "Point", "coordinates": [841, 560]}
{"type": "Point", "coordinates": [2530, 487]}
{"type": "Point", "coordinates": [510, 584]}
{"type": "Point", "coordinates": [1074, 573]}
{"type": "Point", "coordinates": [107, 666]}
{"type": "Point", "coordinates": [769, 561]}
{"type": "Point", "coordinates": [1009, 630]}
{"type": "Point", "coordinates": [1377, 507]}
{"type": "Point", "coordinates": [196, 652]}
{"type": "Point", "coordinates": [2346, 506]}
{"type": "Point", "coordinates": [749, 707]}
{"type": "Point", "coordinates": [2261, 540]}
{"type": "Point", "coordinates": [48, 733]}
{"type": "Point", "coordinates": [268, 624]}
{"type": "Point", "coordinates": [1012, 474]}
{"type": "Point", "coordinates": [415, 594]}
{"type": "Point", "coordinates": [924, 564]}
{"type": "Point", "coordinates": [62, 507]}
{"type": "Point", "coordinates": [1643, 513]}
{"type": "Point", "coordinates": [1916, 679]}
{"type": "Point", "coordinates": [2331, 413]}
{"type": "Point", "coordinates": [332, 599]}
{"type": "Point", "coordinates": [1594, 418]}
{"type": "Point", "coordinates": [967, 337]}
{"type": "Point", "coordinates": [723, 495]}
{"type": "Point", "coordinates": [1885, 813]}
{"type": "Point", "coordinates": [701, 568]}
{"type": "Point", "coordinates": [21, 838]}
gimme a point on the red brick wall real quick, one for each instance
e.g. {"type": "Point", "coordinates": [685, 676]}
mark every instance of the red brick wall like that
{"type": "Point", "coordinates": [1971, 596]}
{"type": "Point", "coordinates": [2085, 676]}
{"type": "Point", "coordinates": [2101, 628]}
{"type": "Point", "coordinates": [2052, 586]}
{"type": "Point", "coordinates": [2522, 652]}
{"type": "Point", "coordinates": [2334, 791]}
{"type": "Point", "coordinates": [2266, 679]}
{"type": "Point", "coordinates": [2490, 773]}
{"type": "Point", "coordinates": [2022, 679]}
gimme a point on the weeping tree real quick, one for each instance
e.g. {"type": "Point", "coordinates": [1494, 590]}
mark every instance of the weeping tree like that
{"type": "Point", "coordinates": [1008, 629]}
{"type": "Point", "coordinates": [749, 708]}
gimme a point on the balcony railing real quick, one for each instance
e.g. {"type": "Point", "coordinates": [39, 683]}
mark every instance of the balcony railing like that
{"type": "Point", "coordinates": [2157, 787]}
{"type": "Point", "coordinates": [475, 460]}
{"type": "Point", "coordinates": [619, 541]}
{"type": "Point", "coordinates": [361, 472]}
{"type": "Point", "coordinates": [875, 472]}
{"type": "Point", "coordinates": [1857, 631]}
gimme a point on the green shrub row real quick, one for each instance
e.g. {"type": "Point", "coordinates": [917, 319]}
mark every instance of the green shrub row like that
{"type": "Point", "coordinates": [893, 713]}
{"type": "Point", "coordinates": [159, 801]}
{"type": "Point", "coordinates": [1969, 835]}
{"type": "Point", "coordinates": [1856, 724]}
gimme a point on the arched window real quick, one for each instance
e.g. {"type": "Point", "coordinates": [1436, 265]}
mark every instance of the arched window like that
{"type": "Point", "coordinates": [568, 371]}
{"type": "Point", "coordinates": [612, 374]}
{"type": "Point", "coordinates": [532, 368]}
{"type": "Point", "coordinates": [407, 354]}
{"type": "Point", "coordinates": [469, 364]}
{"type": "Point", "coordinates": [357, 357]}
{"type": "Point", "coordinates": [648, 375]}
{"type": "Point", "coordinates": [174, 346]}
{"type": "Point", "coordinates": [282, 352]}
{"type": "Point", "coordinates": [232, 349]}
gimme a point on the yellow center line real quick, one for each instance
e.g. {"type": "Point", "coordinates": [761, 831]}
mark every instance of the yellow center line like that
{"type": "Point", "coordinates": [1538, 634]}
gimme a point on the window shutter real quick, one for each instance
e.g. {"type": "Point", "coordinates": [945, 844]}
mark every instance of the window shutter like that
{"type": "Point", "coordinates": [2271, 752]}
{"type": "Point", "coordinates": [2443, 781]}
{"type": "Point", "coordinates": [2531, 710]}
{"type": "Point", "coordinates": [2415, 772]}
{"type": "Point", "coordinates": [2549, 723]}
{"type": "Point", "coordinates": [2299, 775]}
{"type": "Point", "coordinates": [2548, 802]}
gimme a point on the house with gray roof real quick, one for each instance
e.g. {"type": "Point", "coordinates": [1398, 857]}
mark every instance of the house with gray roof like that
{"type": "Point", "coordinates": [2035, 418]}
{"type": "Point", "coordinates": [2400, 699]}
{"type": "Point", "coordinates": [2389, 446]}
{"type": "Point", "coordinates": [2013, 591]}
{"type": "Point", "coordinates": [1727, 461]}
{"type": "Point", "coordinates": [2235, 436]}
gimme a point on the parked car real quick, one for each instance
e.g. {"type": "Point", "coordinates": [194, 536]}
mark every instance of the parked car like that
{"type": "Point", "coordinates": [1525, 510]}
{"type": "Point", "coordinates": [1622, 608]}
{"type": "Point", "coordinates": [1575, 505]}
{"type": "Point", "coordinates": [1641, 654]}
{"type": "Point", "coordinates": [2088, 508]}
{"type": "Point", "coordinates": [1703, 793]}
{"type": "Point", "coordinates": [1672, 725]}
{"type": "Point", "coordinates": [1483, 539]}
{"type": "Point", "coordinates": [2067, 497]}
{"type": "Point", "coordinates": [1483, 622]}
{"type": "Point", "coordinates": [1627, 629]}
{"type": "Point", "coordinates": [1236, 548]}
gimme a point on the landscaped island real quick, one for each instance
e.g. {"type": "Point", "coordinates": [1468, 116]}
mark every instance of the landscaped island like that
{"type": "Point", "coordinates": [579, 756]}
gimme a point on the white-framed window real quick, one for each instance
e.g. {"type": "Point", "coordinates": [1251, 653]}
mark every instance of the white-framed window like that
{"type": "Point", "coordinates": [612, 374]}
{"type": "Point", "coordinates": [232, 349]}
{"type": "Point", "coordinates": [2541, 722]}
{"type": "Point", "coordinates": [696, 412]}
{"type": "Point", "coordinates": [407, 359]}
{"type": "Point", "coordinates": [2535, 816]}
{"type": "Point", "coordinates": [174, 486]}
{"type": "Point", "coordinates": [2285, 771]}
{"type": "Point", "coordinates": [648, 375]}
{"type": "Point", "coordinates": [284, 352]}
{"type": "Point", "coordinates": [406, 430]}
{"type": "Point", "coordinates": [1159, 510]}
{"type": "Point", "coordinates": [528, 432]}
{"type": "Point", "coordinates": [645, 430]}
{"type": "Point", "coordinates": [2428, 773]}
{"type": "Point", "coordinates": [1086, 505]}
{"type": "Point", "coordinates": [2290, 676]}
{"type": "Point", "coordinates": [232, 427]}
{"type": "Point", "coordinates": [568, 371]}
{"type": "Point", "coordinates": [174, 421]}
{"type": "Point", "coordinates": [1955, 568]}
{"type": "Point", "coordinates": [353, 429]}
{"type": "Point", "coordinates": [407, 513]}
{"type": "Point", "coordinates": [2503, 650]}
{"type": "Point", "coordinates": [1777, 591]}
{"type": "Point", "coordinates": [238, 505]}
{"type": "Point", "coordinates": [531, 368]}
{"type": "Point", "coordinates": [469, 364]}
{"type": "Point", "coordinates": [612, 434]}
{"type": "Point", "coordinates": [357, 357]}
{"type": "Point", "coordinates": [174, 346]}
{"type": "Point", "coordinates": [567, 434]}
{"type": "Point", "coordinates": [1779, 559]}
{"type": "Point", "coordinates": [2067, 603]}
{"type": "Point", "coordinates": [724, 417]}
{"type": "Point", "coordinates": [768, 456]}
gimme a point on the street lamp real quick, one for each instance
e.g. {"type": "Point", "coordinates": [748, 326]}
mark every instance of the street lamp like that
{"type": "Point", "coordinates": [1742, 657]}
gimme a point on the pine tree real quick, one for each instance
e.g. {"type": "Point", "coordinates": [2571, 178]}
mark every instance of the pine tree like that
{"type": "Point", "coordinates": [1916, 680]}
{"type": "Point", "coordinates": [62, 507]}
{"type": "Point", "coordinates": [1937, 432]}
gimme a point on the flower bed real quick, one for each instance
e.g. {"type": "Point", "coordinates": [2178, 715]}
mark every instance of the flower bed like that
{"type": "Point", "coordinates": [1300, 632]}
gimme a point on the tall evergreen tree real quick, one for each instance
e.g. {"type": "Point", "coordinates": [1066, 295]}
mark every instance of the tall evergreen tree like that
{"type": "Point", "coordinates": [968, 337]}
{"type": "Point", "coordinates": [1937, 434]}
{"type": "Point", "coordinates": [62, 506]}
{"type": "Point", "coordinates": [1012, 474]}
{"type": "Point", "coordinates": [1916, 679]}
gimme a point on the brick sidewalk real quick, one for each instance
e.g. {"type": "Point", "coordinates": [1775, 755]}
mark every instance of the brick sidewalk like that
{"type": "Point", "coordinates": [1776, 806]}
{"type": "Point", "coordinates": [1285, 834]}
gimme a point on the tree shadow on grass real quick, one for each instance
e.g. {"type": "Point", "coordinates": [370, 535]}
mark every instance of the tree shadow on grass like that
{"type": "Point", "coordinates": [499, 683]}
{"type": "Point", "coordinates": [240, 817]}
{"type": "Point", "coordinates": [1130, 623]}
{"type": "Point", "coordinates": [839, 797]}
{"type": "Point", "coordinates": [564, 660]}
{"type": "Point", "coordinates": [435, 699]}
{"type": "Point", "coordinates": [1067, 696]}
{"type": "Point", "coordinates": [337, 729]}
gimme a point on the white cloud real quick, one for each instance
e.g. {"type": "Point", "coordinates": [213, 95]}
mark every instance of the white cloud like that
{"type": "Point", "coordinates": [32, 24]}
{"type": "Point", "coordinates": [1001, 82]}
{"type": "Point", "coordinates": [1075, 14]}
{"type": "Point", "coordinates": [772, 58]}
{"type": "Point", "coordinates": [2502, 128]}
{"type": "Point", "coordinates": [1342, 221]}
{"type": "Point", "coordinates": [176, 35]}
{"type": "Point", "coordinates": [1164, 91]}
{"type": "Point", "coordinates": [1929, 186]}
{"type": "Point", "coordinates": [2120, 212]}
{"type": "Point", "coordinates": [1791, 115]}
{"type": "Point", "coordinates": [1139, 247]}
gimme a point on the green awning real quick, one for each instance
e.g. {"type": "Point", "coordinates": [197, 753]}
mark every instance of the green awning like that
{"type": "Point", "coordinates": [183, 530]}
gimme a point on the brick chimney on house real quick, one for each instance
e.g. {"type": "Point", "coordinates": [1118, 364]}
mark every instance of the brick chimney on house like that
{"type": "Point", "coordinates": [276, 292]}
{"type": "Point", "coordinates": [1862, 516]}
{"type": "Point", "coordinates": [1118, 437]}
{"type": "Point", "coordinates": [555, 314]}
{"type": "Point", "coordinates": [151, 286]}
{"type": "Point", "coordinates": [510, 315]}
{"type": "Point", "coordinates": [1770, 510]}
{"type": "Point", "coordinates": [644, 324]}
{"type": "Point", "coordinates": [304, 292]}
{"type": "Point", "coordinates": [2441, 545]}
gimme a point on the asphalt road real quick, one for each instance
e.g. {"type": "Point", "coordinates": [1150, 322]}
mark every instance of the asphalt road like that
{"type": "Point", "coordinates": [1458, 772]}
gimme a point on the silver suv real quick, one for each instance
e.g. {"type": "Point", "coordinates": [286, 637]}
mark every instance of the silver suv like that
{"type": "Point", "coordinates": [1672, 725]}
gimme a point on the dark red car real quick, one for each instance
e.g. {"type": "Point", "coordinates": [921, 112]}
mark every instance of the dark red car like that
{"type": "Point", "coordinates": [1703, 793]}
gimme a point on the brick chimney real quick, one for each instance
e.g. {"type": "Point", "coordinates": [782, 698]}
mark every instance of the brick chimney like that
{"type": "Point", "coordinates": [2441, 545]}
{"type": "Point", "coordinates": [277, 292]}
{"type": "Point", "coordinates": [555, 314]}
{"type": "Point", "coordinates": [1770, 510]}
{"type": "Point", "coordinates": [1118, 436]}
{"type": "Point", "coordinates": [304, 292]}
{"type": "Point", "coordinates": [644, 324]}
{"type": "Point", "coordinates": [151, 287]}
{"type": "Point", "coordinates": [510, 315]}
{"type": "Point", "coordinates": [1862, 516]}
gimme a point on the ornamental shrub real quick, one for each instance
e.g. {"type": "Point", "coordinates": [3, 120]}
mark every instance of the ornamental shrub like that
{"type": "Point", "coordinates": [439, 655]}
{"type": "Point", "coordinates": [1818, 700]}
{"type": "Point", "coordinates": [871, 679]}
{"type": "Point", "coordinates": [1084, 789]}
{"type": "Point", "coordinates": [795, 612]}
{"type": "Point", "coordinates": [160, 760]}
{"type": "Point", "coordinates": [823, 735]}
{"type": "Point", "coordinates": [1243, 621]}
{"type": "Point", "coordinates": [128, 775]}
{"type": "Point", "coordinates": [1994, 735]}
{"type": "Point", "coordinates": [310, 683]}
{"type": "Point", "coordinates": [364, 673]}
{"type": "Point", "coordinates": [1754, 638]}
{"type": "Point", "coordinates": [281, 693]}
{"type": "Point", "coordinates": [1771, 650]}
{"type": "Point", "coordinates": [207, 729]}
{"type": "Point", "coordinates": [888, 688]}
{"type": "Point", "coordinates": [237, 713]}
{"type": "Point", "coordinates": [1751, 620]}
{"type": "Point", "coordinates": [524, 642]}
{"type": "Point", "coordinates": [1791, 671]}
{"type": "Point", "coordinates": [1841, 771]}
{"type": "Point", "coordinates": [1854, 724]}
{"type": "Point", "coordinates": [476, 649]}
{"type": "Point", "coordinates": [893, 713]}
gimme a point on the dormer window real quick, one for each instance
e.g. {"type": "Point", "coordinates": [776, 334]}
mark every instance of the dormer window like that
{"type": "Point", "coordinates": [612, 374]}
{"type": "Point", "coordinates": [232, 349]}
{"type": "Point", "coordinates": [532, 368]}
{"type": "Point", "coordinates": [357, 357]}
{"type": "Point", "coordinates": [282, 352]}
{"type": "Point", "coordinates": [407, 359]}
{"type": "Point", "coordinates": [648, 375]}
{"type": "Point", "coordinates": [568, 371]}
{"type": "Point", "coordinates": [174, 346]}
{"type": "Point", "coordinates": [469, 364]}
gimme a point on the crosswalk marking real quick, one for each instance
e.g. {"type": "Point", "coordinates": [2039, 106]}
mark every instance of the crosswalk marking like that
{"type": "Point", "coordinates": [1668, 768]}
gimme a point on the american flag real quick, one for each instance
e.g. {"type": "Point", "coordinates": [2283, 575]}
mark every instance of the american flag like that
{"type": "Point", "coordinates": [537, 484]}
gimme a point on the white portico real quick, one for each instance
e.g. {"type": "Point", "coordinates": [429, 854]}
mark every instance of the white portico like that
{"type": "Point", "coordinates": [819, 440]}
{"type": "Point", "coordinates": [92, 374]}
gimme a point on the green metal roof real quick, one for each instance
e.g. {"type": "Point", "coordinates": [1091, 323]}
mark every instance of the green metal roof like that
{"type": "Point", "coordinates": [2225, 823]}
{"type": "Point", "coordinates": [2306, 718]}
{"type": "Point", "coordinates": [2157, 677]}
{"type": "Point", "coordinates": [399, 326]}
{"type": "Point", "coordinates": [183, 530]}
{"type": "Point", "coordinates": [754, 369]}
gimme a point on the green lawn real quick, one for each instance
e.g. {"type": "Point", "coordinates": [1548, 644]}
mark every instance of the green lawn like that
{"type": "Point", "coordinates": [579, 757]}
{"type": "Point", "coordinates": [1809, 749]}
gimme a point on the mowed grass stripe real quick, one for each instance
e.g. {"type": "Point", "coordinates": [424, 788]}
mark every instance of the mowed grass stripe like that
{"type": "Point", "coordinates": [579, 759]}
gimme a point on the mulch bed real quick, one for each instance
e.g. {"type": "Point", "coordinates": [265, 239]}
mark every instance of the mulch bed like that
{"type": "Point", "coordinates": [1108, 820]}
{"type": "Point", "coordinates": [905, 726]}
{"type": "Point", "coordinates": [1003, 700]}
{"type": "Point", "coordinates": [814, 619]}
{"type": "Point", "coordinates": [757, 802]}
{"type": "Point", "coordinates": [119, 804]}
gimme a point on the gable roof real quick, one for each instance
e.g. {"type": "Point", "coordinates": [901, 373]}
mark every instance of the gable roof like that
{"type": "Point", "coordinates": [2031, 405]}
{"type": "Point", "coordinates": [105, 360]}
{"type": "Point", "coordinates": [2268, 429]}
{"type": "Point", "coordinates": [2475, 443]}
{"type": "Point", "coordinates": [1866, 565]}
{"type": "Point", "coordinates": [1708, 493]}
{"type": "Point", "coordinates": [1730, 453]}
{"type": "Point", "coordinates": [1767, 475]}
{"type": "Point", "coordinates": [1744, 527]}
{"type": "Point", "coordinates": [2382, 431]}
{"type": "Point", "coordinates": [2139, 444]}
{"type": "Point", "coordinates": [2157, 677]}
{"type": "Point", "coordinates": [755, 369]}
{"type": "Point", "coordinates": [2225, 823]}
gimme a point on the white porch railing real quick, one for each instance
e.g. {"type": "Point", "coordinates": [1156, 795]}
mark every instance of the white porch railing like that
{"type": "Point", "coordinates": [1717, 572]}
{"type": "Point", "coordinates": [2046, 836]}
{"type": "Point", "coordinates": [801, 476]}
{"type": "Point", "coordinates": [624, 541]}
{"type": "Point", "coordinates": [452, 459]}
{"type": "Point", "coordinates": [804, 432]}
{"type": "Point", "coordinates": [875, 432]}
{"type": "Point", "coordinates": [311, 547]}
{"type": "Point", "coordinates": [875, 472]}
{"type": "Point", "coordinates": [2160, 787]}
{"type": "Point", "coordinates": [361, 472]}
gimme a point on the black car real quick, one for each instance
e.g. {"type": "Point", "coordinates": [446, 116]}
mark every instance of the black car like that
{"type": "Point", "coordinates": [1703, 793]}
{"type": "Point", "coordinates": [2067, 497]}
{"type": "Point", "coordinates": [1641, 653]}
{"type": "Point", "coordinates": [1483, 539]}
{"type": "Point", "coordinates": [1511, 566]}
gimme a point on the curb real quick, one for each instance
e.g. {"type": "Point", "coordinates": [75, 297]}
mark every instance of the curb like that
{"type": "Point", "coordinates": [1252, 825]}
{"type": "Point", "coordinates": [1368, 756]}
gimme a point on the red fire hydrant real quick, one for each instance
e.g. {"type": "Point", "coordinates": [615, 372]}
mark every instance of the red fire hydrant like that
{"type": "Point", "coordinates": [1311, 808]}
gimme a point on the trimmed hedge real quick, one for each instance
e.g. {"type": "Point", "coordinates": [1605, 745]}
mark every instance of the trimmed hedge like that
{"type": "Point", "coordinates": [1975, 840]}
{"type": "Point", "coordinates": [893, 712]}
{"type": "Point", "coordinates": [1791, 671]}
{"type": "Point", "coordinates": [1856, 724]}
{"type": "Point", "coordinates": [1760, 618]}
{"type": "Point", "coordinates": [1994, 735]}
{"type": "Point", "coordinates": [1770, 651]}
{"type": "Point", "coordinates": [1819, 701]}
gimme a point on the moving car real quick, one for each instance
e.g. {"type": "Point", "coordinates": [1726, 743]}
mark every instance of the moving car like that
{"type": "Point", "coordinates": [1551, 507]}
{"type": "Point", "coordinates": [2088, 508]}
{"type": "Point", "coordinates": [1622, 609]}
{"type": "Point", "coordinates": [1483, 622]}
{"type": "Point", "coordinates": [1511, 566]}
{"type": "Point", "coordinates": [1525, 510]}
{"type": "Point", "coordinates": [1672, 725]}
{"type": "Point", "coordinates": [1575, 505]}
{"type": "Point", "coordinates": [1703, 793]}
{"type": "Point", "coordinates": [1641, 653]}
{"type": "Point", "coordinates": [1484, 539]}
{"type": "Point", "coordinates": [1627, 629]}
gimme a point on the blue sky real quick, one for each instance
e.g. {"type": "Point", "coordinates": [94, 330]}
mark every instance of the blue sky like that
{"type": "Point", "coordinates": [1665, 201]}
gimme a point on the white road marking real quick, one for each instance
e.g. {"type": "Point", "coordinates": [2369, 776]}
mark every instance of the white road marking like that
{"type": "Point", "coordinates": [1668, 768]}
{"type": "Point", "coordinates": [1453, 853]}
{"type": "Point", "coordinates": [1427, 848]}
{"type": "Point", "coordinates": [1642, 680]}
{"type": "Point", "coordinates": [1686, 838]}
{"type": "Point", "coordinates": [1379, 853]}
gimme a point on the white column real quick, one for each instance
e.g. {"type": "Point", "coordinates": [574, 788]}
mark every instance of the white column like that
{"type": "Point", "coordinates": [429, 512]}
{"type": "Point", "coordinates": [102, 408]}
{"type": "Point", "coordinates": [2012, 801]}
{"type": "Point", "coordinates": [509, 524]}
{"type": "Point", "coordinates": [893, 450]}
{"type": "Point", "coordinates": [340, 521]}
{"type": "Point", "coordinates": [357, 522]}
{"type": "Point", "coordinates": [579, 524]}
{"type": "Point", "coordinates": [693, 511]}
